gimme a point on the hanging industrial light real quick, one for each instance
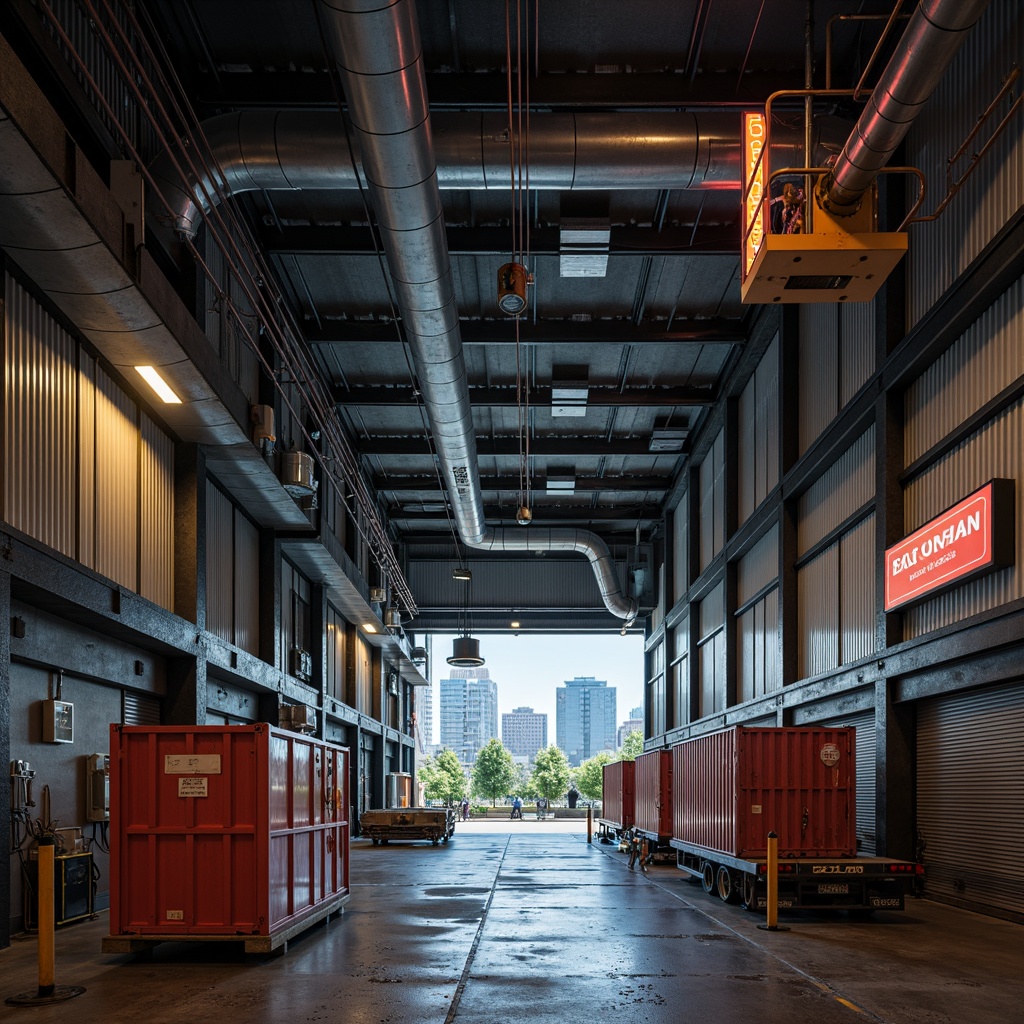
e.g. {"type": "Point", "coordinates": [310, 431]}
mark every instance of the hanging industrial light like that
{"type": "Point", "coordinates": [465, 648]}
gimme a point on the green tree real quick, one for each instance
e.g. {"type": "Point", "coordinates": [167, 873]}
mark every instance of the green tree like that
{"type": "Point", "coordinates": [443, 777]}
{"type": "Point", "coordinates": [551, 773]}
{"type": "Point", "coordinates": [631, 746]}
{"type": "Point", "coordinates": [494, 772]}
{"type": "Point", "coordinates": [589, 776]}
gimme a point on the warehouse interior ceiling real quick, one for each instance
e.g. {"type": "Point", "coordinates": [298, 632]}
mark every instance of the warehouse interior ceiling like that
{"type": "Point", "coordinates": [592, 405]}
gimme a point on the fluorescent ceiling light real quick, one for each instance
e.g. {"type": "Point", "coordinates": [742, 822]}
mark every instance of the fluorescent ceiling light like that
{"type": "Point", "coordinates": [369, 627]}
{"type": "Point", "coordinates": [150, 375]}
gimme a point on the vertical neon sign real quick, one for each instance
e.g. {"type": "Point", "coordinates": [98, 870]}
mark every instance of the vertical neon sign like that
{"type": "Point", "coordinates": [753, 184]}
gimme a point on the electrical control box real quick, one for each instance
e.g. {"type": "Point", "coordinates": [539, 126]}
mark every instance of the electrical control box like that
{"type": "Point", "coordinates": [58, 721]}
{"type": "Point", "coordinates": [97, 799]}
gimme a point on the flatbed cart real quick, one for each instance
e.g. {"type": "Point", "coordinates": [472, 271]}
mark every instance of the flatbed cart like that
{"type": "Point", "coordinates": [805, 883]}
{"type": "Point", "coordinates": [407, 824]}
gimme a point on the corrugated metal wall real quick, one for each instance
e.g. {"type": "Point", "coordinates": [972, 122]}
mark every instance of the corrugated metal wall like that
{"type": "Point", "coordinates": [941, 250]}
{"type": "Point", "coordinates": [220, 555]}
{"type": "Point", "coordinates": [757, 648]}
{"type": "Point", "coordinates": [857, 592]}
{"type": "Point", "coordinates": [970, 796]}
{"type": "Point", "coordinates": [758, 469]}
{"type": "Point", "coordinates": [680, 553]}
{"type": "Point", "coordinates": [86, 459]}
{"type": "Point", "coordinates": [156, 550]}
{"type": "Point", "coordinates": [818, 613]}
{"type": "Point", "coordinates": [985, 359]}
{"type": "Point", "coordinates": [819, 370]}
{"type": "Point", "coordinates": [336, 639]}
{"type": "Point", "coordinates": [843, 488]}
{"type": "Point", "coordinates": [856, 347]}
{"type": "Point", "coordinates": [364, 676]}
{"type": "Point", "coordinates": [40, 391]}
{"type": "Point", "coordinates": [117, 483]}
{"type": "Point", "coordinates": [711, 652]}
{"type": "Point", "coordinates": [758, 567]}
{"type": "Point", "coordinates": [712, 502]}
{"type": "Point", "coordinates": [247, 584]}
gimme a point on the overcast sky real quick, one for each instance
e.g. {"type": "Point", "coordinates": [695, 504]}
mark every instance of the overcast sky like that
{"type": "Point", "coordinates": [528, 669]}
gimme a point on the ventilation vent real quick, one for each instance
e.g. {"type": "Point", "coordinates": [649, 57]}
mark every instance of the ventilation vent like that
{"type": "Point", "coordinates": [139, 709]}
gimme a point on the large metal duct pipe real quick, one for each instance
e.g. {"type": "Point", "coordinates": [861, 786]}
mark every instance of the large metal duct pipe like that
{"type": "Point", "coordinates": [302, 149]}
{"type": "Point", "coordinates": [926, 49]}
{"type": "Point", "coordinates": [379, 58]}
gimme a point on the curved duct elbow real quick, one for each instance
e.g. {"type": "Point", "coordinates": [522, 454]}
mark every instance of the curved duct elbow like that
{"type": "Point", "coordinates": [581, 542]}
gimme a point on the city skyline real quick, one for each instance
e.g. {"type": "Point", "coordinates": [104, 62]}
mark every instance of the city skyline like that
{"type": "Point", "coordinates": [529, 668]}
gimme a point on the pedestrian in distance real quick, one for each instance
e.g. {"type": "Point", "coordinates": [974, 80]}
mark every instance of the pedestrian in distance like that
{"type": "Point", "coordinates": [517, 809]}
{"type": "Point", "coordinates": [465, 808]}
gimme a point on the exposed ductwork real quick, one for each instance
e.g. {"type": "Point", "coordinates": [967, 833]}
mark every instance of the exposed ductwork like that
{"type": "Point", "coordinates": [927, 47]}
{"type": "Point", "coordinates": [378, 53]}
{"type": "Point", "coordinates": [302, 149]}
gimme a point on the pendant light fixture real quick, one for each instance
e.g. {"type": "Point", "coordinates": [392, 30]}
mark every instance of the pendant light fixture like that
{"type": "Point", "coordinates": [465, 648]}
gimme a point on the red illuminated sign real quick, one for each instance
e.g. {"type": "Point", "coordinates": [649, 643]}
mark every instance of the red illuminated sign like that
{"type": "Point", "coordinates": [754, 179]}
{"type": "Point", "coordinates": [975, 536]}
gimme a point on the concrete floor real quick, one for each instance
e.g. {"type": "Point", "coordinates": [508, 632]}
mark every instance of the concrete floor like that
{"type": "Point", "coordinates": [536, 925]}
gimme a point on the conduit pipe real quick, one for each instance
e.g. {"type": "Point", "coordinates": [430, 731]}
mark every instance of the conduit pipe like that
{"type": "Point", "coordinates": [379, 58]}
{"type": "Point", "coordinates": [927, 48]}
{"type": "Point", "coordinates": [302, 149]}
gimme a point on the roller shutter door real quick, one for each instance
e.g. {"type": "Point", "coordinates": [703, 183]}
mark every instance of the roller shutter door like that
{"type": "Point", "coordinates": [970, 797]}
{"type": "Point", "coordinates": [864, 723]}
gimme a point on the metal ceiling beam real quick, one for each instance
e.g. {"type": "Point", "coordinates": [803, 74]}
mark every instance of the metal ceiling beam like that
{"type": "Point", "coordinates": [505, 398]}
{"type": "Point", "coordinates": [332, 240]}
{"type": "Point", "coordinates": [538, 486]}
{"type": "Point", "coordinates": [655, 91]}
{"type": "Point", "coordinates": [718, 331]}
{"type": "Point", "coordinates": [558, 447]}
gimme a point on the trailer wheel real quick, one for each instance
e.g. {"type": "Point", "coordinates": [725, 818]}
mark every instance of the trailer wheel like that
{"type": "Point", "coordinates": [707, 876]}
{"type": "Point", "coordinates": [725, 885]}
{"type": "Point", "coordinates": [749, 891]}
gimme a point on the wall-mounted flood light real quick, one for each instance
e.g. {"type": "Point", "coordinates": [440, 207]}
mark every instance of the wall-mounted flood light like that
{"type": "Point", "coordinates": [150, 375]}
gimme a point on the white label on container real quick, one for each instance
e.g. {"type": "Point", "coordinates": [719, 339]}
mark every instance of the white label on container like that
{"type": "Point", "coordinates": [175, 915]}
{"type": "Point", "coordinates": [192, 764]}
{"type": "Point", "coordinates": [193, 785]}
{"type": "Point", "coordinates": [755, 808]}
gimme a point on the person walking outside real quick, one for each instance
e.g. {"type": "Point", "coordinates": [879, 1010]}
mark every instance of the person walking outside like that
{"type": "Point", "coordinates": [465, 808]}
{"type": "Point", "coordinates": [517, 809]}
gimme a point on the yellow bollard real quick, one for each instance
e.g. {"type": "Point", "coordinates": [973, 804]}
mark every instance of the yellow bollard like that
{"type": "Point", "coordinates": [590, 824]}
{"type": "Point", "coordinates": [48, 992]}
{"type": "Point", "coordinates": [773, 886]}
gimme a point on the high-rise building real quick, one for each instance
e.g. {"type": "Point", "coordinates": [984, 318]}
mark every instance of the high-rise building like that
{"type": "Point", "coordinates": [423, 697]}
{"type": "Point", "coordinates": [524, 732]}
{"type": "Point", "coordinates": [628, 726]}
{"type": "Point", "coordinates": [584, 718]}
{"type": "Point", "coordinates": [469, 711]}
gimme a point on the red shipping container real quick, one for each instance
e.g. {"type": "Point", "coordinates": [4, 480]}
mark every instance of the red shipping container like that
{"type": "Point", "coordinates": [731, 788]}
{"type": "Point", "coordinates": [653, 779]}
{"type": "Point", "coordinates": [225, 830]}
{"type": "Point", "coordinates": [617, 794]}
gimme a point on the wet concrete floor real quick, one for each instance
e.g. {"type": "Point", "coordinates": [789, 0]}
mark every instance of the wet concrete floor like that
{"type": "Point", "coordinates": [536, 925]}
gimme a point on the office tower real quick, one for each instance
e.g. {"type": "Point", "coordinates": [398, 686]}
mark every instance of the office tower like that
{"type": "Point", "coordinates": [584, 718]}
{"type": "Point", "coordinates": [524, 732]}
{"type": "Point", "coordinates": [469, 711]}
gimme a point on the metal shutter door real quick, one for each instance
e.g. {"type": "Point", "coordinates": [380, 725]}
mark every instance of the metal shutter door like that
{"type": "Point", "coordinates": [970, 796]}
{"type": "Point", "coordinates": [864, 723]}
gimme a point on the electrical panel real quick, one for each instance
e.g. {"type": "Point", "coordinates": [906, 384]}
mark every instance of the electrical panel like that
{"type": "Point", "coordinates": [97, 799]}
{"type": "Point", "coordinates": [58, 721]}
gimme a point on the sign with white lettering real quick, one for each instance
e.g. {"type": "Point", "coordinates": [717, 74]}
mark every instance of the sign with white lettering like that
{"type": "Point", "coordinates": [973, 537]}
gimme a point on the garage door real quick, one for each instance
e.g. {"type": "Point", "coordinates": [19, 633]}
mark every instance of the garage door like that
{"type": "Point", "coordinates": [970, 793]}
{"type": "Point", "coordinates": [864, 723]}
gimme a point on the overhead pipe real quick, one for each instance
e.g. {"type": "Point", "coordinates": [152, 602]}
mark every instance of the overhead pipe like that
{"type": "Point", "coordinates": [379, 58]}
{"type": "Point", "coordinates": [927, 48]}
{"type": "Point", "coordinates": [268, 150]}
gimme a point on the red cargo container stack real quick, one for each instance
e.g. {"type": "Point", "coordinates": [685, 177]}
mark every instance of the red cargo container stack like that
{"type": "Point", "coordinates": [617, 794]}
{"type": "Point", "coordinates": [731, 788]}
{"type": "Point", "coordinates": [232, 831]}
{"type": "Point", "coordinates": [653, 777]}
